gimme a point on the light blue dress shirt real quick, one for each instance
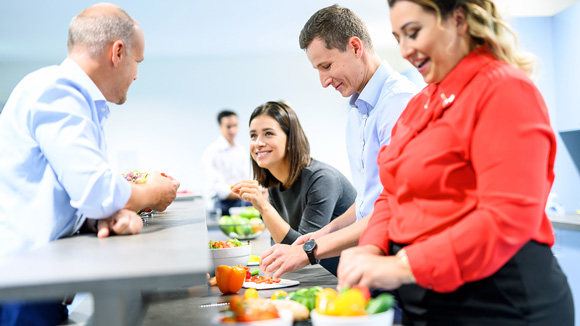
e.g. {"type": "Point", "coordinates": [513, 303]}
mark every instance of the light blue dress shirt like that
{"type": "Point", "coordinates": [54, 170]}
{"type": "Point", "coordinates": [370, 121]}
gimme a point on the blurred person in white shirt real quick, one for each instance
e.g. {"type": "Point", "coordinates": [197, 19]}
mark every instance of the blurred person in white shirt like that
{"type": "Point", "coordinates": [225, 163]}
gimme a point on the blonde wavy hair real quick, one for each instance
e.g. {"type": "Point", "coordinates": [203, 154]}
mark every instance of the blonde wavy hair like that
{"type": "Point", "coordinates": [487, 27]}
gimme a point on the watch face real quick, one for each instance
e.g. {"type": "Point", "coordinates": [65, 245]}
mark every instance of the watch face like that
{"type": "Point", "coordinates": [309, 245]}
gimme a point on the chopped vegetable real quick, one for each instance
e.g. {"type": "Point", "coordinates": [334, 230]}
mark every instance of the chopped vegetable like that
{"type": "Point", "coordinates": [381, 303]}
{"type": "Point", "coordinates": [279, 294]}
{"type": "Point", "coordinates": [231, 243]}
{"type": "Point", "coordinates": [212, 281]}
{"type": "Point", "coordinates": [251, 294]}
{"type": "Point", "coordinates": [248, 310]}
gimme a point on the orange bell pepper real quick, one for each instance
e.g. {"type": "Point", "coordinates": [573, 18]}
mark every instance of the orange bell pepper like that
{"type": "Point", "coordinates": [230, 279]}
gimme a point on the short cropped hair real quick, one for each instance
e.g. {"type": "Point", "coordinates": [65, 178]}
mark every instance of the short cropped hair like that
{"type": "Point", "coordinates": [297, 146]}
{"type": "Point", "coordinates": [224, 114]}
{"type": "Point", "coordinates": [335, 26]}
{"type": "Point", "coordinates": [97, 32]}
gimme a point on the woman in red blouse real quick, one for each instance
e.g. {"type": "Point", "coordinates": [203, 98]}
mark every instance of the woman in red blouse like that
{"type": "Point", "coordinates": [466, 179]}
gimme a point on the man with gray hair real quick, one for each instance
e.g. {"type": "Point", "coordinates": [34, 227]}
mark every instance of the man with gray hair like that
{"type": "Point", "coordinates": [56, 177]}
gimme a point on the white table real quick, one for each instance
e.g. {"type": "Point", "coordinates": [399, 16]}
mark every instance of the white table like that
{"type": "Point", "coordinates": [169, 253]}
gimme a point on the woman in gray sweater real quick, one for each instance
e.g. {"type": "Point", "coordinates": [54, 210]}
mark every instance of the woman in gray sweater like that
{"type": "Point", "coordinates": [304, 194]}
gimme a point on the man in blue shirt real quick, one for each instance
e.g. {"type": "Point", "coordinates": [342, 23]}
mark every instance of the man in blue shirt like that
{"type": "Point", "coordinates": [338, 45]}
{"type": "Point", "coordinates": [56, 178]}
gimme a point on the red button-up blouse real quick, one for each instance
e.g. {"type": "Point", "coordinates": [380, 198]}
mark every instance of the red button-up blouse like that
{"type": "Point", "coordinates": [467, 174]}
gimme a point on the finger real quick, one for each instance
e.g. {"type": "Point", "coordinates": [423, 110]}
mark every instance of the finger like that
{"type": "Point", "coordinates": [267, 253]}
{"type": "Point", "coordinates": [103, 228]}
{"type": "Point", "coordinates": [279, 272]}
{"type": "Point", "coordinates": [137, 224]}
{"type": "Point", "coordinates": [273, 266]}
{"type": "Point", "coordinates": [121, 225]}
{"type": "Point", "coordinates": [301, 240]}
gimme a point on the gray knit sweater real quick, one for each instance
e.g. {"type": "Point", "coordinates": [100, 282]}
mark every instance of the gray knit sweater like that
{"type": "Point", "coordinates": [319, 195]}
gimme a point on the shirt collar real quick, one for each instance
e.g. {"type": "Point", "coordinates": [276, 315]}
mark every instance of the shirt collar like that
{"type": "Point", "coordinates": [81, 77]}
{"type": "Point", "coordinates": [371, 93]}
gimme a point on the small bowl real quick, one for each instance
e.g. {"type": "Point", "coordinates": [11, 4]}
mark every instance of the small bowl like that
{"type": "Point", "coordinates": [380, 319]}
{"type": "Point", "coordinates": [246, 232]}
{"type": "Point", "coordinates": [230, 256]}
{"type": "Point", "coordinates": [284, 320]}
{"type": "Point", "coordinates": [241, 228]}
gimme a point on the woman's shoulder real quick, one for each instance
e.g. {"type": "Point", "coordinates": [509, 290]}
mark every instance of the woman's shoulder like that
{"type": "Point", "coordinates": [501, 72]}
{"type": "Point", "coordinates": [321, 167]}
{"type": "Point", "coordinates": [318, 170]}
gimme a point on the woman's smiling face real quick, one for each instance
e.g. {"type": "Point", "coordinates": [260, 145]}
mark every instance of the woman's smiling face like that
{"type": "Point", "coordinates": [434, 49]}
{"type": "Point", "coordinates": [268, 143]}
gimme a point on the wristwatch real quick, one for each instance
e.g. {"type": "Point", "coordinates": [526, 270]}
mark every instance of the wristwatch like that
{"type": "Point", "coordinates": [309, 247]}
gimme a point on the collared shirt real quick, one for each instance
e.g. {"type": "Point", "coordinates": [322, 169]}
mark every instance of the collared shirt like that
{"type": "Point", "coordinates": [54, 170]}
{"type": "Point", "coordinates": [467, 174]}
{"type": "Point", "coordinates": [373, 115]}
{"type": "Point", "coordinates": [224, 165]}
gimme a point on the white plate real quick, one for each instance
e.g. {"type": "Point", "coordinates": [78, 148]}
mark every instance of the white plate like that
{"type": "Point", "coordinates": [264, 286]}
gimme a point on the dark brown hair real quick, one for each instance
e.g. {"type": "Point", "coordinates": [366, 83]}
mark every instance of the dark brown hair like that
{"type": "Point", "coordinates": [334, 25]}
{"type": "Point", "coordinates": [297, 146]}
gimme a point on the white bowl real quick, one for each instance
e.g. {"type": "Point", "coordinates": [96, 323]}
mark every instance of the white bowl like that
{"type": "Point", "coordinates": [380, 319]}
{"type": "Point", "coordinates": [230, 256]}
{"type": "Point", "coordinates": [284, 320]}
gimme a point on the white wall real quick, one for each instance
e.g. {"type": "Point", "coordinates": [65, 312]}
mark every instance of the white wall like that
{"type": "Point", "coordinates": [170, 115]}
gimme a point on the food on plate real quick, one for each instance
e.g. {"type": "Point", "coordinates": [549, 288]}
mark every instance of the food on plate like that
{"type": "Point", "coordinates": [353, 301]}
{"type": "Point", "coordinates": [226, 224]}
{"type": "Point", "coordinates": [279, 294]}
{"type": "Point", "coordinates": [251, 294]}
{"type": "Point", "coordinates": [230, 243]}
{"type": "Point", "coordinates": [246, 225]}
{"type": "Point", "coordinates": [365, 292]}
{"type": "Point", "coordinates": [248, 310]}
{"type": "Point", "coordinates": [243, 226]}
{"type": "Point", "coordinates": [323, 297]}
{"type": "Point", "coordinates": [254, 259]}
{"type": "Point", "coordinates": [263, 279]}
{"type": "Point", "coordinates": [250, 212]}
{"type": "Point", "coordinates": [299, 311]}
{"type": "Point", "coordinates": [249, 273]}
{"type": "Point", "coordinates": [307, 297]}
{"type": "Point", "coordinates": [135, 176]}
{"type": "Point", "coordinates": [139, 178]}
{"type": "Point", "coordinates": [257, 224]}
{"type": "Point", "coordinates": [381, 303]}
{"type": "Point", "coordinates": [230, 279]}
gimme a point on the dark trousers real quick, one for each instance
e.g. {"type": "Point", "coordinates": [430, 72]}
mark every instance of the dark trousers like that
{"type": "Point", "coordinates": [226, 204]}
{"type": "Point", "coordinates": [22, 313]}
{"type": "Point", "coordinates": [530, 289]}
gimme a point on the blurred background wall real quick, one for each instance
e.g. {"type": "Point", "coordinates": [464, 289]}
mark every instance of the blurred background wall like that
{"type": "Point", "coordinates": [202, 57]}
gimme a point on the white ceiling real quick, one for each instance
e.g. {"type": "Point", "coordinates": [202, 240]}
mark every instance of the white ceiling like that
{"type": "Point", "coordinates": [37, 29]}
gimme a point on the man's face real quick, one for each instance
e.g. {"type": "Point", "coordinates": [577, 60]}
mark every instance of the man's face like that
{"type": "Point", "coordinates": [229, 128]}
{"type": "Point", "coordinates": [128, 67]}
{"type": "Point", "coordinates": [342, 70]}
